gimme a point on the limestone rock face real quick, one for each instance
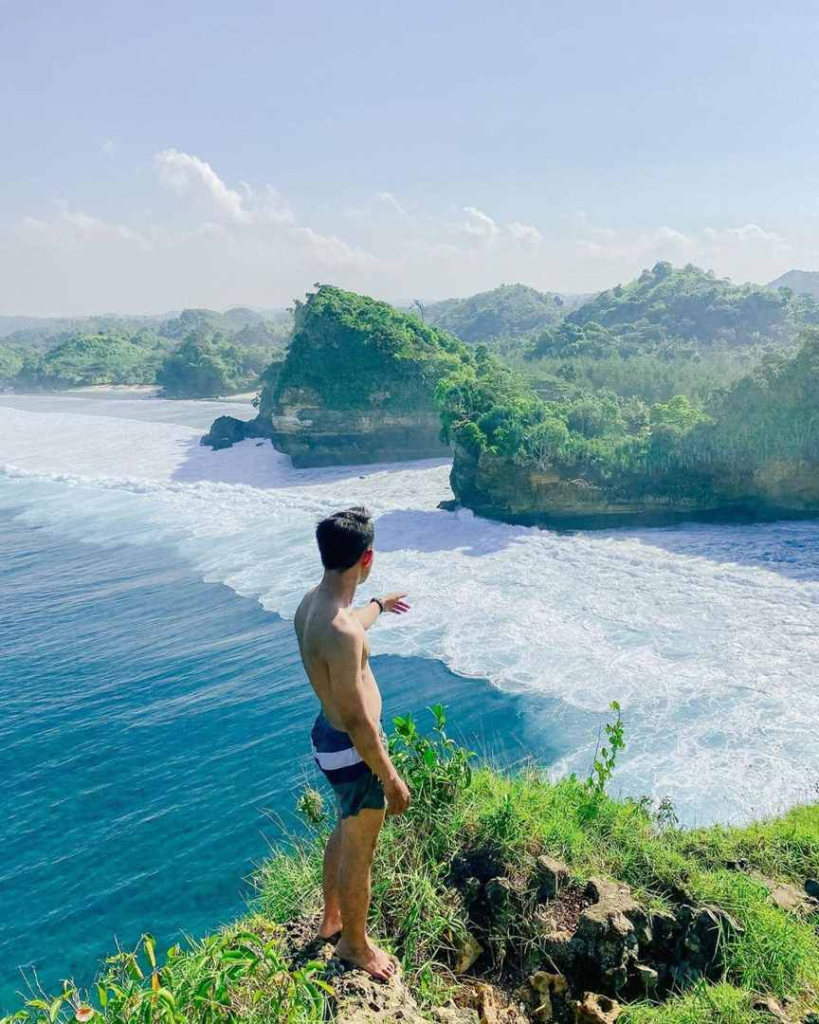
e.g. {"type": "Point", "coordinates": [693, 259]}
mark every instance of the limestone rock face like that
{"type": "Point", "coordinates": [609, 934]}
{"type": "Point", "coordinates": [786, 896]}
{"type": "Point", "coordinates": [362, 1000]}
{"type": "Point", "coordinates": [313, 436]}
{"type": "Point", "coordinates": [316, 437]}
{"type": "Point", "coordinates": [595, 1009]}
{"type": "Point", "coordinates": [498, 488]}
{"type": "Point", "coordinates": [226, 431]}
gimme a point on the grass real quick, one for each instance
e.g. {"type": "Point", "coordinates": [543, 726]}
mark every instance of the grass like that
{"type": "Point", "coordinates": [705, 1004]}
{"type": "Point", "coordinates": [466, 819]}
{"type": "Point", "coordinates": [421, 915]}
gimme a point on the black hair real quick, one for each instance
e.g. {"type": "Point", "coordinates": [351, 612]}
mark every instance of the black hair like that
{"type": "Point", "coordinates": [343, 537]}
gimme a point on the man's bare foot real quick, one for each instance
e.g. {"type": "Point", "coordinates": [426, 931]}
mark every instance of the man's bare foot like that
{"type": "Point", "coordinates": [330, 928]}
{"type": "Point", "coordinates": [369, 958]}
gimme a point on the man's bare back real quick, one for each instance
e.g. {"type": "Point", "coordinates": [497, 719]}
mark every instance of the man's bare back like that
{"type": "Point", "coordinates": [323, 629]}
{"type": "Point", "coordinates": [348, 743]}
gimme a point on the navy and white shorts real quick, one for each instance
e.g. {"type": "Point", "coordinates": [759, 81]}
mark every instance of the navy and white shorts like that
{"type": "Point", "coordinates": [354, 784]}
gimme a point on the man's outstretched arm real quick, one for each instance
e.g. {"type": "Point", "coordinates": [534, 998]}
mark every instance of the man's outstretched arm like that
{"type": "Point", "coordinates": [351, 706]}
{"type": "Point", "coordinates": [394, 603]}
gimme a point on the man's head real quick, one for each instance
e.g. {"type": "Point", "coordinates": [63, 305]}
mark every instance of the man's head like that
{"type": "Point", "coordinates": [345, 540]}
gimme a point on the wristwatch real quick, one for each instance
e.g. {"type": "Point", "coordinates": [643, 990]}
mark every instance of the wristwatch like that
{"type": "Point", "coordinates": [375, 600]}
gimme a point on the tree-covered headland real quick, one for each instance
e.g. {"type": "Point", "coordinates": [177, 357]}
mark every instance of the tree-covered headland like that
{"type": "Point", "coordinates": [350, 351]}
{"type": "Point", "coordinates": [752, 444]}
{"type": "Point", "coordinates": [356, 385]}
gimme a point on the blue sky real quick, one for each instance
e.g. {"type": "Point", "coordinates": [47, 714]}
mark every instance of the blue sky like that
{"type": "Point", "coordinates": [191, 153]}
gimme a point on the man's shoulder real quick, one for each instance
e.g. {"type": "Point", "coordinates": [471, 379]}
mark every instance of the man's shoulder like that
{"type": "Point", "coordinates": [344, 630]}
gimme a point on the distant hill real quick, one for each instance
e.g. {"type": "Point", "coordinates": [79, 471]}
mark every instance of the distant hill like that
{"type": "Point", "coordinates": [805, 282]}
{"type": "Point", "coordinates": [248, 326]}
{"type": "Point", "coordinates": [678, 308]}
{"type": "Point", "coordinates": [34, 329]}
{"type": "Point", "coordinates": [510, 311]}
{"type": "Point", "coordinates": [221, 350]}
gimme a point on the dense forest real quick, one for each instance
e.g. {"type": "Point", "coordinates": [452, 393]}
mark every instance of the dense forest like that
{"type": "Point", "coordinates": [681, 311]}
{"type": "Point", "coordinates": [196, 353]}
{"type": "Point", "coordinates": [511, 312]}
{"type": "Point", "coordinates": [350, 351]}
{"type": "Point", "coordinates": [670, 332]}
{"type": "Point", "coordinates": [763, 422]}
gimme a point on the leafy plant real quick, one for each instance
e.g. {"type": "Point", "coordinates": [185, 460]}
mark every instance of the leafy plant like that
{"type": "Point", "coordinates": [435, 767]}
{"type": "Point", "coordinates": [605, 758]}
{"type": "Point", "coordinates": [230, 977]}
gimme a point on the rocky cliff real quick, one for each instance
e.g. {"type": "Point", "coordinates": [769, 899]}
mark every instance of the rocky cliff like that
{"type": "Point", "coordinates": [356, 386]}
{"type": "Point", "coordinates": [315, 436]}
{"type": "Point", "coordinates": [500, 488]}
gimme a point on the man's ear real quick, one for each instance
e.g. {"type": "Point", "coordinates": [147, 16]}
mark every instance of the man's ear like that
{"type": "Point", "coordinates": [367, 557]}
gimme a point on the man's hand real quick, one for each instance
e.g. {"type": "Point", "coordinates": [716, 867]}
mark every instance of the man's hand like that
{"type": "Point", "coordinates": [395, 603]}
{"type": "Point", "coordinates": [397, 794]}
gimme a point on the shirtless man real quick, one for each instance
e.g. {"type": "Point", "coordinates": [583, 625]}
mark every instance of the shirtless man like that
{"type": "Point", "coordinates": [348, 742]}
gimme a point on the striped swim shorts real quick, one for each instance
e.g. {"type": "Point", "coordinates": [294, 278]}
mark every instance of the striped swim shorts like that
{"type": "Point", "coordinates": [354, 784]}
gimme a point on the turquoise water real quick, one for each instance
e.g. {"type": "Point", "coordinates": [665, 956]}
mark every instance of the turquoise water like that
{"type": "Point", "coordinates": [150, 723]}
{"type": "Point", "coordinates": [151, 718]}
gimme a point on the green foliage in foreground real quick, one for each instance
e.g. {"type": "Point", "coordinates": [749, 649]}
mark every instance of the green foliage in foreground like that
{"type": "Point", "coordinates": [237, 975]}
{"type": "Point", "coordinates": [462, 809]}
{"type": "Point", "coordinates": [459, 808]}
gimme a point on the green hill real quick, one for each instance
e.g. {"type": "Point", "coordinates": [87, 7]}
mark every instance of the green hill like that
{"type": "Point", "coordinates": [804, 282]}
{"type": "Point", "coordinates": [505, 897]}
{"type": "Point", "coordinates": [63, 353]}
{"type": "Point", "coordinates": [752, 448]}
{"type": "Point", "coordinates": [676, 308]}
{"type": "Point", "coordinates": [511, 311]}
{"type": "Point", "coordinates": [350, 351]}
{"type": "Point", "coordinates": [87, 359]}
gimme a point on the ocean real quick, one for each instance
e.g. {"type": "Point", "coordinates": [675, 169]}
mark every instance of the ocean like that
{"type": "Point", "coordinates": [156, 721]}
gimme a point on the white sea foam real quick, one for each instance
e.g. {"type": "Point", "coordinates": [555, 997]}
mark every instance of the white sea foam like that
{"type": "Point", "coordinates": [707, 636]}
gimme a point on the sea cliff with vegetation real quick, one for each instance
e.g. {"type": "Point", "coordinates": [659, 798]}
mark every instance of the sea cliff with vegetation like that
{"type": "Point", "coordinates": [357, 385]}
{"type": "Point", "coordinates": [506, 897]}
{"type": "Point", "coordinates": [680, 395]}
{"type": "Point", "coordinates": [750, 450]}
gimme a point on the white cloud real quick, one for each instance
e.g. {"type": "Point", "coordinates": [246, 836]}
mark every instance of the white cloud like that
{"type": "Point", "coordinates": [109, 147]}
{"type": "Point", "coordinates": [70, 229]}
{"type": "Point", "coordinates": [478, 223]}
{"type": "Point", "coordinates": [584, 225]}
{"type": "Point", "coordinates": [377, 204]}
{"type": "Point", "coordinates": [749, 233]}
{"type": "Point", "coordinates": [660, 243]}
{"type": "Point", "coordinates": [222, 243]}
{"type": "Point", "coordinates": [331, 251]}
{"type": "Point", "coordinates": [527, 234]}
{"type": "Point", "coordinates": [390, 201]}
{"type": "Point", "coordinates": [189, 175]}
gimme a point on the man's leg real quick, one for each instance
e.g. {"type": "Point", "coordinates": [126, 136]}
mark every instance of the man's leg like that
{"type": "Point", "coordinates": [359, 834]}
{"type": "Point", "coordinates": [331, 922]}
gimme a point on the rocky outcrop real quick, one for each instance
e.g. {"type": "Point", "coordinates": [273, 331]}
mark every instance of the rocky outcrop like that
{"type": "Point", "coordinates": [315, 436]}
{"type": "Point", "coordinates": [598, 945]}
{"type": "Point", "coordinates": [227, 431]}
{"type": "Point", "coordinates": [500, 488]}
{"type": "Point", "coordinates": [356, 386]}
